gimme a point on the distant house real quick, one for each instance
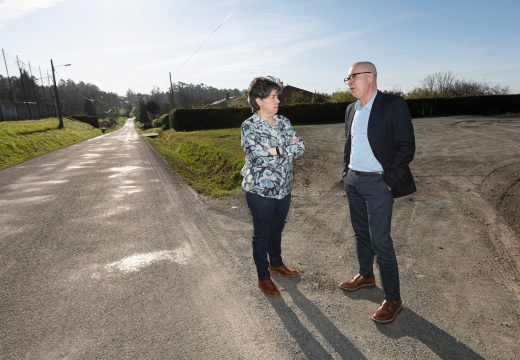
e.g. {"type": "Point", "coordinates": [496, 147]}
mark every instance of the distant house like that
{"type": "Point", "coordinates": [289, 90]}
{"type": "Point", "coordinates": [223, 103]}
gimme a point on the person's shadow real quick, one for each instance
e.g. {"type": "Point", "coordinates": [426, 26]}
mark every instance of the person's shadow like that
{"type": "Point", "coordinates": [409, 324]}
{"type": "Point", "coordinates": [305, 340]}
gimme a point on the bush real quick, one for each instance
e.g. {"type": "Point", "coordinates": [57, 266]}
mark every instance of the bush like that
{"type": "Point", "coordinates": [471, 105]}
{"type": "Point", "coordinates": [161, 121]}
{"type": "Point", "coordinates": [307, 114]}
{"type": "Point", "coordinates": [204, 119]}
{"type": "Point", "coordinates": [92, 120]}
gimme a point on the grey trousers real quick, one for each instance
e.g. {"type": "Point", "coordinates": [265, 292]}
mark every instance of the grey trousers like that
{"type": "Point", "coordinates": [370, 203]}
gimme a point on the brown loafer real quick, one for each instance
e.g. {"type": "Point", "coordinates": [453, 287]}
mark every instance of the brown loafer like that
{"type": "Point", "coordinates": [387, 311]}
{"type": "Point", "coordinates": [358, 282]}
{"type": "Point", "coordinates": [284, 270]}
{"type": "Point", "coordinates": [268, 287]}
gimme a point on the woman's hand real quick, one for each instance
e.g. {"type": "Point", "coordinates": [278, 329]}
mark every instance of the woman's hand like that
{"type": "Point", "coordinates": [272, 151]}
{"type": "Point", "coordinates": [295, 140]}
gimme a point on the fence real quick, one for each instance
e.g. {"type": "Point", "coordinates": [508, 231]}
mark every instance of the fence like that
{"type": "Point", "coordinates": [23, 92]}
{"type": "Point", "coordinates": [22, 111]}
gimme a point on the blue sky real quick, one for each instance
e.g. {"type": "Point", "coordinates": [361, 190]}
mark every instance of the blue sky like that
{"type": "Point", "coordinates": [129, 44]}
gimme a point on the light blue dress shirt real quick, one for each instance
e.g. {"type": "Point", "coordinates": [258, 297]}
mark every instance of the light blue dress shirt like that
{"type": "Point", "coordinates": [361, 156]}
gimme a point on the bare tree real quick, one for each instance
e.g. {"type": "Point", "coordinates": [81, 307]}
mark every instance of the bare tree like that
{"type": "Point", "coordinates": [445, 84]}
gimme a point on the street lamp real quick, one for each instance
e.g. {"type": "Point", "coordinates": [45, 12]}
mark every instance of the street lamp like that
{"type": "Point", "coordinates": [57, 104]}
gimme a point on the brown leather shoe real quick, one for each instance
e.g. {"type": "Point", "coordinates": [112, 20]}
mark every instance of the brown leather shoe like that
{"type": "Point", "coordinates": [268, 287]}
{"type": "Point", "coordinates": [358, 282]}
{"type": "Point", "coordinates": [284, 270]}
{"type": "Point", "coordinates": [387, 311]}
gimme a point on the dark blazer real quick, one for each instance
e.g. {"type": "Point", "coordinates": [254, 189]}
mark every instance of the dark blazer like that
{"type": "Point", "coordinates": [391, 137]}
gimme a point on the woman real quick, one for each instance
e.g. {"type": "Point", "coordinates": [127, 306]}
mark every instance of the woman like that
{"type": "Point", "coordinates": [271, 145]}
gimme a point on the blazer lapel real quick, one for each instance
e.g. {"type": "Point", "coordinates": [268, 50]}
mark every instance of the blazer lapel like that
{"type": "Point", "coordinates": [350, 117]}
{"type": "Point", "coordinates": [374, 112]}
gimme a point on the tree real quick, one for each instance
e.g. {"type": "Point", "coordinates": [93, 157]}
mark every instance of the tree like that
{"type": "Point", "coordinates": [240, 101]}
{"type": "Point", "coordinates": [88, 106]}
{"type": "Point", "coordinates": [153, 108]}
{"type": "Point", "coordinates": [445, 84]}
{"type": "Point", "coordinates": [142, 114]}
{"type": "Point", "coordinates": [342, 96]}
{"type": "Point", "coordinates": [320, 98]}
{"type": "Point", "coordinates": [297, 97]}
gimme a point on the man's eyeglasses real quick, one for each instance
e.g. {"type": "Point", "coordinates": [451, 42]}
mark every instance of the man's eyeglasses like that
{"type": "Point", "coordinates": [353, 76]}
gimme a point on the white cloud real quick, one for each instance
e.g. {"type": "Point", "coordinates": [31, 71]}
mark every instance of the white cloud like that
{"type": "Point", "coordinates": [13, 9]}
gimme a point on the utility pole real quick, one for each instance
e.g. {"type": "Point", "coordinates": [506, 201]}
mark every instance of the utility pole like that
{"type": "Point", "coordinates": [23, 88]}
{"type": "Point", "coordinates": [171, 100]}
{"type": "Point", "coordinates": [34, 89]}
{"type": "Point", "coordinates": [94, 105]}
{"type": "Point", "coordinates": [8, 78]}
{"type": "Point", "coordinates": [57, 99]}
{"type": "Point", "coordinates": [43, 93]}
{"type": "Point", "coordinates": [50, 87]}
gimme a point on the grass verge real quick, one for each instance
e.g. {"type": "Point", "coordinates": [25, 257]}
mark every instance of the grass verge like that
{"type": "Point", "coordinates": [23, 140]}
{"type": "Point", "coordinates": [208, 160]}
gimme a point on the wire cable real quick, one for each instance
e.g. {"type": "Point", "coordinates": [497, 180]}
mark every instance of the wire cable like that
{"type": "Point", "coordinates": [210, 35]}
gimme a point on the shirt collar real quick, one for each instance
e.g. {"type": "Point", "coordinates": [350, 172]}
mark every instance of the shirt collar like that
{"type": "Point", "coordinates": [369, 104]}
{"type": "Point", "coordinates": [258, 119]}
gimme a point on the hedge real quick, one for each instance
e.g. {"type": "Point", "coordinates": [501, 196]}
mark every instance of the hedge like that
{"type": "Point", "coordinates": [471, 105]}
{"type": "Point", "coordinates": [92, 120]}
{"type": "Point", "coordinates": [95, 121]}
{"type": "Point", "coordinates": [202, 119]}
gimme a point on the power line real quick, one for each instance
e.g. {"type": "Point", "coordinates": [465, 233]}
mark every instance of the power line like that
{"type": "Point", "coordinates": [210, 35]}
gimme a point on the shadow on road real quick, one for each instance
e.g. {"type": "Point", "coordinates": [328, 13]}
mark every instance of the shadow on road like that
{"type": "Point", "coordinates": [411, 324]}
{"type": "Point", "coordinates": [308, 344]}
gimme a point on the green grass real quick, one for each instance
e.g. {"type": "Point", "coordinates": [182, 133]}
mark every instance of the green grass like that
{"type": "Point", "coordinates": [23, 140]}
{"type": "Point", "coordinates": [209, 160]}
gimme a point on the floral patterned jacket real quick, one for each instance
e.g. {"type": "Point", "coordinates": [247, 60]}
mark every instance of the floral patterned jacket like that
{"type": "Point", "coordinates": [264, 174]}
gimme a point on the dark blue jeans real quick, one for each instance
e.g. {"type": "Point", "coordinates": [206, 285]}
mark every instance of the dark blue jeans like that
{"type": "Point", "coordinates": [370, 203]}
{"type": "Point", "coordinates": [269, 216]}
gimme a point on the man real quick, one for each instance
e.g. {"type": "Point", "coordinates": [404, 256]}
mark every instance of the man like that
{"type": "Point", "coordinates": [380, 145]}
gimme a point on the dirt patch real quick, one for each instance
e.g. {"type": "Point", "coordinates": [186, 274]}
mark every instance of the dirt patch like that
{"type": "Point", "coordinates": [456, 238]}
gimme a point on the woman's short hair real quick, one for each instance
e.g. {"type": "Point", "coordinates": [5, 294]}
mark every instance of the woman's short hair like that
{"type": "Point", "coordinates": [260, 88]}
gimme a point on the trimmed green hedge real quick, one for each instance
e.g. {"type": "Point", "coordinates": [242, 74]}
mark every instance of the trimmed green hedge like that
{"type": "Point", "coordinates": [204, 119]}
{"type": "Point", "coordinates": [471, 105]}
{"type": "Point", "coordinates": [95, 121]}
{"type": "Point", "coordinates": [91, 120]}
{"type": "Point", "coordinates": [305, 114]}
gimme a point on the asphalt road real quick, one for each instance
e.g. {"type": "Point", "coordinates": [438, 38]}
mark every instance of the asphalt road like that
{"type": "Point", "coordinates": [105, 253]}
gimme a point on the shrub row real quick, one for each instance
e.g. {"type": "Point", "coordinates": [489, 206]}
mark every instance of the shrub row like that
{"type": "Point", "coordinates": [472, 105]}
{"type": "Point", "coordinates": [95, 121]}
{"type": "Point", "coordinates": [91, 120]}
{"type": "Point", "coordinates": [203, 119]}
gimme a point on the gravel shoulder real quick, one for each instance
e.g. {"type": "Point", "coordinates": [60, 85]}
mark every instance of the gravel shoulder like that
{"type": "Point", "coordinates": [457, 241]}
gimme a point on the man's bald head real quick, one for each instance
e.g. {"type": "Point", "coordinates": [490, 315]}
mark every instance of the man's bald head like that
{"type": "Point", "coordinates": [365, 66]}
{"type": "Point", "coordinates": [362, 80]}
